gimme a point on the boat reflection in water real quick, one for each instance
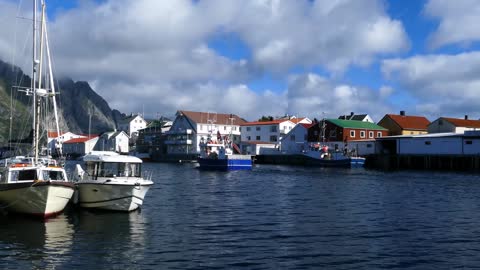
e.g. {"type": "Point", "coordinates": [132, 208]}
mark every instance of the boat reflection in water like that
{"type": "Point", "coordinates": [107, 237]}
{"type": "Point", "coordinates": [36, 244]}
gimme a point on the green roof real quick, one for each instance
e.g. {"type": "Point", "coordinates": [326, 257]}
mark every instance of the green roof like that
{"type": "Point", "coordinates": [355, 124]}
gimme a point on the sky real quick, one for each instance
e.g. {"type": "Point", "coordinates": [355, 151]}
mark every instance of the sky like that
{"type": "Point", "coordinates": [311, 58]}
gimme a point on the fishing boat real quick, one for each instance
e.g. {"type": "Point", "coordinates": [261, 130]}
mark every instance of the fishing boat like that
{"type": "Point", "coordinates": [110, 181]}
{"type": "Point", "coordinates": [36, 185]}
{"type": "Point", "coordinates": [322, 156]}
{"type": "Point", "coordinates": [219, 154]}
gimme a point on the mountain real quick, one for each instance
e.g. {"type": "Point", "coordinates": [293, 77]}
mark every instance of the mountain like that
{"type": "Point", "coordinates": [77, 102]}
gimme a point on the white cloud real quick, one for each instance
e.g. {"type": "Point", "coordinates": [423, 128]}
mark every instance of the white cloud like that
{"type": "Point", "coordinates": [458, 21]}
{"type": "Point", "coordinates": [443, 84]}
{"type": "Point", "coordinates": [158, 52]}
{"type": "Point", "coordinates": [315, 96]}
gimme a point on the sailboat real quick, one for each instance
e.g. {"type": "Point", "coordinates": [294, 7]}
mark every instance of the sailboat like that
{"type": "Point", "coordinates": [36, 185]}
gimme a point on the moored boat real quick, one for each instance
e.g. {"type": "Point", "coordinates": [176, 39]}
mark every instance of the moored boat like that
{"type": "Point", "coordinates": [39, 189]}
{"type": "Point", "coordinates": [110, 181]}
{"type": "Point", "coordinates": [218, 155]}
{"type": "Point", "coordinates": [36, 185]}
{"type": "Point", "coordinates": [322, 157]}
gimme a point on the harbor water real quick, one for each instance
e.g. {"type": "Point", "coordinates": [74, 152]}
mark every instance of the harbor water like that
{"type": "Point", "coordinates": [273, 217]}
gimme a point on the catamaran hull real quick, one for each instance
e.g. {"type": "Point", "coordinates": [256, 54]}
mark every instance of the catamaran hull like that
{"type": "Point", "coordinates": [42, 199]}
{"type": "Point", "coordinates": [116, 197]}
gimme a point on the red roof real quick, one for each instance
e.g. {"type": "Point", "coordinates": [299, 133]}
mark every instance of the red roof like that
{"type": "Point", "coordinates": [259, 123]}
{"type": "Point", "coordinates": [307, 126]}
{"type": "Point", "coordinates": [410, 121]}
{"type": "Point", "coordinates": [462, 122]}
{"type": "Point", "coordinates": [79, 140]}
{"type": "Point", "coordinates": [297, 120]}
{"type": "Point", "coordinates": [54, 134]}
{"type": "Point", "coordinates": [220, 118]}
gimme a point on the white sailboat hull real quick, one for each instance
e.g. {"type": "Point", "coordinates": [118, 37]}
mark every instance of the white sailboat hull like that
{"type": "Point", "coordinates": [112, 196]}
{"type": "Point", "coordinates": [42, 199]}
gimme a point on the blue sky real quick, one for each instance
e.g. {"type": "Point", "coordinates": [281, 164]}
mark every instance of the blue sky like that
{"type": "Point", "coordinates": [271, 57]}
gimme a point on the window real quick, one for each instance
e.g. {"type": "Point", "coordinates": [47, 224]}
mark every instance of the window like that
{"type": "Point", "coordinates": [273, 138]}
{"type": "Point", "coordinates": [224, 127]}
{"type": "Point", "coordinates": [352, 133]}
{"type": "Point", "coordinates": [362, 134]}
{"type": "Point", "coordinates": [468, 142]}
{"type": "Point", "coordinates": [292, 138]}
{"type": "Point", "coordinates": [379, 134]}
{"type": "Point", "coordinates": [249, 138]}
{"type": "Point", "coordinates": [273, 128]}
{"type": "Point", "coordinates": [258, 138]}
{"type": "Point", "coordinates": [333, 133]}
{"type": "Point", "coordinates": [369, 145]}
{"type": "Point", "coordinates": [370, 134]}
{"type": "Point", "coordinates": [248, 128]}
{"type": "Point", "coordinates": [440, 122]}
{"type": "Point", "coordinates": [428, 143]}
{"type": "Point", "coordinates": [258, 128]}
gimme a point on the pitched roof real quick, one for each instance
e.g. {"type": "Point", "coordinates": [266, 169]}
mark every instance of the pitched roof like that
{"type": "Point", "coordinates": [54, 134]}
{"type": "Point", "coordinates": [307, 126]}
{"type": "Point", "coordinates": [80, 140]}
{"type": "Point", "coordinates": [297, 120]}
{"type": "Point", "coordinates": [219, 118]}
{"type": "Point", "coordinates": [260, 123]}
{"type": "Point", "coordinates": [410, 121]}
{"type": "Point", "coordinates": [355, 124]}
{"type": "Point", "coordinates": [462, 122]}
{"type": "Point", "coordinates": [356, 117]}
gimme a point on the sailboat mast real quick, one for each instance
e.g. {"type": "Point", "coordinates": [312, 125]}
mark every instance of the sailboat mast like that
{"type": "Point", "coordinates": [53, 91]}
{"type": "Point", "coordinates": [34, 87]}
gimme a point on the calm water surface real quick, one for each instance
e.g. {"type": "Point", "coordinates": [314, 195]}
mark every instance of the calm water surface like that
{"type": "Point", "coordinates": [274, 217]}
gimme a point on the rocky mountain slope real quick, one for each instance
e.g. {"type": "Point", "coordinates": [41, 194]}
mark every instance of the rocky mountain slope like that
{"type": "Point", "coordinates": [77, 100]}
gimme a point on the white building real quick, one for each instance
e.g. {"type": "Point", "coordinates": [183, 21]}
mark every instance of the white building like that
{"type": "Point", "coordinates": [189, 127]}
{"type": "Point", "coordinates": [455, 125]}
{"type": "Point", "coordinates": [55, 140]}
{"type": "Point", "coordinates": [116, 141]}
{"type": "Point", "coordinates": [266, 131]}
{"type": "Point", "coordinates": [132, 124]}
{"type": "Point", "coordinates": [296, 140]}
{"type": "Point", "coordinates": [79, 146]}
{"type": "Point", "coordinates": [433, 144]}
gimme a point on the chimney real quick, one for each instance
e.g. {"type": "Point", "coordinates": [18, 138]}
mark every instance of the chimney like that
{"type": "Point", "coordinates": [402, 113]}
{"type": "Point", "coordinates": [466, 117]}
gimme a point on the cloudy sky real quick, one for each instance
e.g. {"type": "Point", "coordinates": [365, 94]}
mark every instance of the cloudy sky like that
{"type": "Point", "coordinates": [315, 58]}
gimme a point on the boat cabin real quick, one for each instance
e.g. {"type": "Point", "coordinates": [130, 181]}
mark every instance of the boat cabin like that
{"type": "Point", "coordinates": [106, 164]}
{"type": "Point", "coordinates": [22, 169]}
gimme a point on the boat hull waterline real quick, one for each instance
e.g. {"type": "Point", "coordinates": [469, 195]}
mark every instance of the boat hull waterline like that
{"type": "Point", "coordinates": [225, 164]}
{"type": "Point", "coordinates": [115, 197]}
{"type": "Point", "coordinates": [43, 199]}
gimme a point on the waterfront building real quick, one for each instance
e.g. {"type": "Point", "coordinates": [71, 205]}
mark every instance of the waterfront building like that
{"type": "Point", "coordinates": [132, 124]}
{"type": "Point", "coordinates": [266, 131]}
{"type": "Point", "coordinates": [455, 125]}
{"type": "Point", "coordinates": [339, 130]}
{"type": "Point", "coordinates": [189, 128]}
{"type": "Point", "coordinates": [56, 140]}
{"type": "Point", "coordinates": [80, 146]}
{"type": "Point", "coordinates": [404, 124]}
{"type": "Point", "coordinates": [116, 141]}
